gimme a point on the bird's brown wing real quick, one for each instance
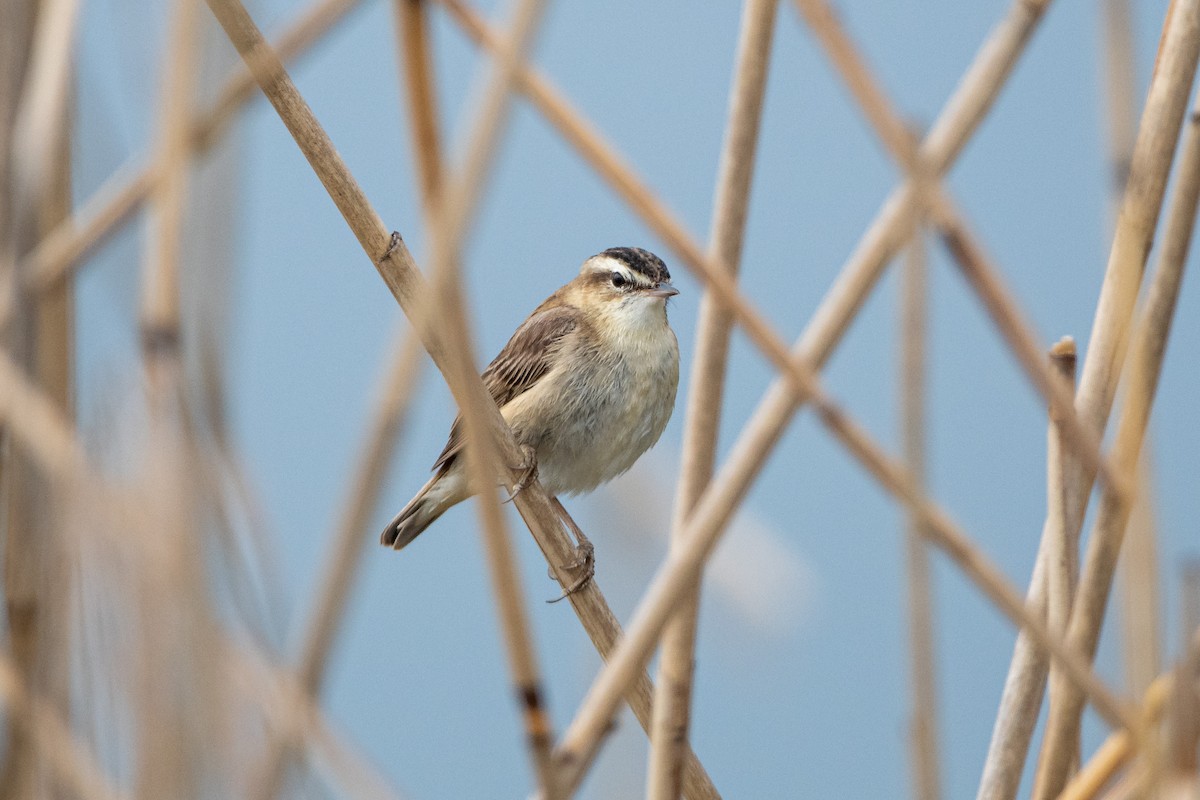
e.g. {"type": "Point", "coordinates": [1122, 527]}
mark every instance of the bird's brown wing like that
{"type": "Point", "coordinates": [529, 355]}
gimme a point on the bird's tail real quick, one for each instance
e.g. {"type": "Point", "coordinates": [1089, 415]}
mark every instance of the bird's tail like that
{"type": "Point", "coordinates": [431, 502]}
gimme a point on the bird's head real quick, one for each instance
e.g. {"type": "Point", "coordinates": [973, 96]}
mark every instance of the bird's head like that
{"type": "Point", "coordinates": [627, 281]}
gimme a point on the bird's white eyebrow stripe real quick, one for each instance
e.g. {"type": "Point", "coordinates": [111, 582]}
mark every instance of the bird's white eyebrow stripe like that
{"type": "Point", "coordinates": [607, 265]}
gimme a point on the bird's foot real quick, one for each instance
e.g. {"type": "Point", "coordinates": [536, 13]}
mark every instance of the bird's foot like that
{"type": "Point", "coordinates": [584, 563]}
{"type": "Point", "coordinates": [526, 471]}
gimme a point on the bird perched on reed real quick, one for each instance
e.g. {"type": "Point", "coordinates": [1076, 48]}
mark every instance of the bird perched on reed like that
{"type": "Point", "coordinates": [587, 384]}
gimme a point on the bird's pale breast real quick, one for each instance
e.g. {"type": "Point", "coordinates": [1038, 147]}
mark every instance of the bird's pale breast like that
{"type": "Point", "coordinates": [590, 422]}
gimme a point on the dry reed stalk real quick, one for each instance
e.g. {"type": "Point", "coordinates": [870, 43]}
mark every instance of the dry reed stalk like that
{"type": "Point", "coordinates": [44, 100]}
{"type": "Point", "coordinates": [399, 272]}
{"type": "Point", "coordinates": [1140, 615]}
{"type": "Point", "coordinates": [54, 366]}
{"type": "Point", "coordinates": [412, 36]}
{"type": "Point", "coordinates": [178, 702]}
{"type": "Point", "coordinates": [62, 249]}
{"type": "Point", "coordinates": [55, 327]}
{"type": "Point", "coordinates": [1147, 349]}
{"type": "Point", "coordinates": [1117, 749]}
{"type": "Point", "coordinates": [1064, 548]}
{"type": "Point", "coordinates": [1120, 93]}
{"type": "Point", "coordinates": [1062, 557]}
{"type": "Point", "coordinates": [35, 194]}
{"type": "Point", "coordinates": [1021, 698]}
{"type": "Point", "coordinates": [159, 314]}
{"type": "Point", "coordinates": [347, 544]}
{"type": "Point", "coordinates": [16, 42]}
{"type": "Point", "coordinates": [923, 727]}
{"type": "Point", "coordinates": [583, 738]}
{"type": "Point", "coordinates": [177, 692]}
{"type": "Point", "coordinates": [1183, 723]}
{"type": "Point", "coordinates": [672, 703]}
{"type": "Point", "coordinates": [1139, 567]}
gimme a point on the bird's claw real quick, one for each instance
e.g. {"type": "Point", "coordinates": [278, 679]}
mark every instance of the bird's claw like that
{"type": "Point", "coordinates": [585, 561]}
{"type": "Point", "coordinates": [527, 471]}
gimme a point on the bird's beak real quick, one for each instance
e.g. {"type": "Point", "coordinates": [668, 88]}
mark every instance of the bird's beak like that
{"type": "Point", "coordinates": [664, 289]}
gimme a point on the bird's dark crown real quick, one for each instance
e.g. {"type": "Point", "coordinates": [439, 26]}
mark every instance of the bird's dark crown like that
{"type": "Point", "coordinates": [640, 261]}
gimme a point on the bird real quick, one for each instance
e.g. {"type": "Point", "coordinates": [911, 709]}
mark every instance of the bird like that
{"type": "Point", "coordinates": [587, 383]}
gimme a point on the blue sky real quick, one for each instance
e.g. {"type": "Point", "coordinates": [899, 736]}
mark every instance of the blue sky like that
{"type": "Point", "coordinates": [802, 668]}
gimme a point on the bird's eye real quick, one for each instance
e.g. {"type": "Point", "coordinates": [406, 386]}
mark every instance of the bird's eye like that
{"type": "Point", "coordinates": [619, 280]}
